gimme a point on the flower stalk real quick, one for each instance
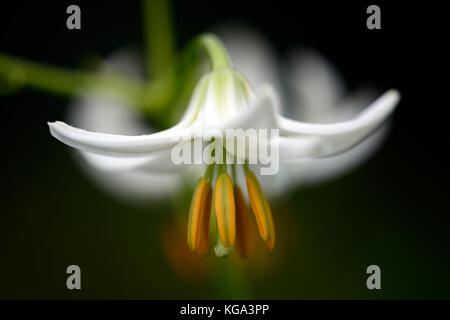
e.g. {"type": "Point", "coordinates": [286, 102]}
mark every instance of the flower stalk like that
{"type": "Point", "coordinates": [158, 36]}
{"type": "Point", "coordinates": [57, 80]}
{"type": "Point", "coordinates": [150, 97]}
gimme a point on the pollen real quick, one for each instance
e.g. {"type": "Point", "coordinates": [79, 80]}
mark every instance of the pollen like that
{"type": "Point", "coordinates": [199, 215]}
{"type": "Point", "coordinates": [224, 206]}
{"type": "Point", "coordinates": [261, 210]}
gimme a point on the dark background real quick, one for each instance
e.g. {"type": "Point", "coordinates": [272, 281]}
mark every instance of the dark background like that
{"type": "Point", "coordinates": [392, 211]}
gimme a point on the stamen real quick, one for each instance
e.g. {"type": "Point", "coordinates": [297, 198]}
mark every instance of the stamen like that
{"type": "Point", "coordinates": [225, 209]}
{"type": "Point", "coordinates": [203, 247]}
{"type": "Point", "coordinates": [199, 214]}
{"type": "Point", "coordinates": [261, 209]}
{"type": "Point", "coordinates": [242, 225]}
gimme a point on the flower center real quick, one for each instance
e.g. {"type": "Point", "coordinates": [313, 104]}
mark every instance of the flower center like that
{"type": "Point", "coordinates": [219, 96]}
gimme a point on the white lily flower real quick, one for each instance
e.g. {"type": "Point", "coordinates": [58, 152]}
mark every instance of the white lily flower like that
{"type": "Point", "coordinates": [224, 100]}
{"type": "Point", "coordinates": [231, 105]}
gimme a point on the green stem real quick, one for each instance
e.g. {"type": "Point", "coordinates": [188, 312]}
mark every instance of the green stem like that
{"type": "Point", "coordinates": [159, 39]}
{"type": "Point", "coordinates": [231, 282]}
{"type": "Point", "coordinates": [151, 95]}
{"type": "Point", "coordinates": [187, 66]}
{"type": "Point", "coordinates": [218, 57]}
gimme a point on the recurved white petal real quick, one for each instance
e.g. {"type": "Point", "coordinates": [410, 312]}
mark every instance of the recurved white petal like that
{"type": "Point", "coordinates": [327, 168]}
{"type": "Point", "coordinates": [117, 145]}
{"type": "Point", "coordinates": [338, 137]}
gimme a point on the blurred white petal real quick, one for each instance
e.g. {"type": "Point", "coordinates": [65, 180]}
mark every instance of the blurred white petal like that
{"type": "Point", "coordinates": [120, 175]}
{"type": "Point", "coordinates": [159, 162]}
{"type": "Point", "coordinates": [251, 54]}
{"type": "Point", "coordinates": [131, 185]}
{"type": "Point", "coordinates": [315, 85]}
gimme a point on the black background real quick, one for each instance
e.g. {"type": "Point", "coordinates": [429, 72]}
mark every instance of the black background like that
{"type": "Point", "coordinates": [409, 177]}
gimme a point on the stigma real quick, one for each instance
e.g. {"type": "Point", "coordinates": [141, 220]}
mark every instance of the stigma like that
{"type": "Point", "coordinates": [222, 211]}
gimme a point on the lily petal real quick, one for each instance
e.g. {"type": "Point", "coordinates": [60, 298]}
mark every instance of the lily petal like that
{"type": "Point", "coordinates": [117, 145]}
{"type": "Point", "coordinates": [315, 84]}
{"type": "Point", "coordinates": [252, 54]}
{"type": "Point", "coordinates": [260, 115]}
{"type": "Point", "coordinates": [159, 162]}
{"type": "Point", "coordinates": [299, 147]}
{"type": "Point", "coordinates": [134, 186]}
{"type": "Point", "coordinates": [322, 169]}
{"type": "Point", "coordinates": [338, 137]}
{"type": "Point", "coordinates": [139, 179]}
